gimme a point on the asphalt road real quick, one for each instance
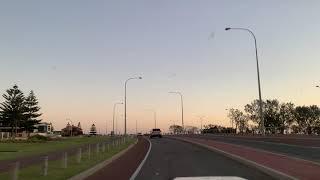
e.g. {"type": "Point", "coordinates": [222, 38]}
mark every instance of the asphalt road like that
{"type": "Point", "coordinates": [170, 158]}
{"type": "Point", "coordinates": [302, 152]}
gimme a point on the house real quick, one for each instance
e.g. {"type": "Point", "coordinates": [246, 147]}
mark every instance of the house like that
{"type": "Point", "coordinates": [43, 127]}
{"type": "Point", "coordinates": [71, 130]}
{"type": "Point", "coordinates": [93, 130]}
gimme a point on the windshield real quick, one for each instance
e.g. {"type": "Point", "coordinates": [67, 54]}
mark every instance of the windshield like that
{"type": "Point", "coordinates": [159, 90]}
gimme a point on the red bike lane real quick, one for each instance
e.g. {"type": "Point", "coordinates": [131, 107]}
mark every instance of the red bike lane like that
{"type": "Point", "coordinates": [123, 167]}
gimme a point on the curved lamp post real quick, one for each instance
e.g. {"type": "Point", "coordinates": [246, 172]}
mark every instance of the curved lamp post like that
{"type": "Point", "coordinates": [154, 116]}
{"type": "Point", "coordinates": [114, 110]}
{"type": "Point", "coordinates": [181, 99]}
{"type": "Point", "coordinates": [125, 103]}
{"type": "Point", "coordinates": [259, 87]}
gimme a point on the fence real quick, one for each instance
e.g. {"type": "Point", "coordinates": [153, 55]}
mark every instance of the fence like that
{"type": "Point", "coordinates": [5, 135]}
{"type": "Point", "coordinates": [70, 162]}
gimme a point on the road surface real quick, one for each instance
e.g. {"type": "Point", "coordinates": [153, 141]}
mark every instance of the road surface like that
{"type": "Point", "coordinates": [298, 151]}
{"type": "Point", "coordinates": [170, 158]}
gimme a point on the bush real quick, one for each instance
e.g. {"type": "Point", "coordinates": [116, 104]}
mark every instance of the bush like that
{"type": "Point", "coordinates": [38, 138]}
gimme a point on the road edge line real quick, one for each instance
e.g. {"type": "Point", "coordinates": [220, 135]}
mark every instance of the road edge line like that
{"type": "Point", "coordinates": [86, 173]}
{"type": "Point", "coordinates": [136, 172]}
{"type": "Point", "coordinates": [272, 172]}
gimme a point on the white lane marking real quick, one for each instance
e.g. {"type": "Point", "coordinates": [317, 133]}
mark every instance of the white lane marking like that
{"type": "Point", "coordinates": [135, 174]}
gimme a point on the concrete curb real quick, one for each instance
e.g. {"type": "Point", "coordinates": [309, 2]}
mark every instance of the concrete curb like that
{"type": "Point", "coordinates": [99, 166]}
{"type": "Point", "coordinates": [272, 172]}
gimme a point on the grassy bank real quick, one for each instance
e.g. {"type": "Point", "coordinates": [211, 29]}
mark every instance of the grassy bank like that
{"type": "Point", "coordinates": [56, 171]}
{"type": "Point", "coordinates": [11, 150]}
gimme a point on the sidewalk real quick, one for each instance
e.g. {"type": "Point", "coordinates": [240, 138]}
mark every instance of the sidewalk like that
{"type": "Point", "coordinates": [296, 168]}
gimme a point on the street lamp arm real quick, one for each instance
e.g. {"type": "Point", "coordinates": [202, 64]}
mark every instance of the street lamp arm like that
{"type": "Point", "coordinates": [176, 93]}
{"type": "Point", "coordinates": [244, 29]}
{"type": "Point", "coordinates": [133, 78]}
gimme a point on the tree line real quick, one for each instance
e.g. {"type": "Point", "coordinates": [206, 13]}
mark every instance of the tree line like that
{"type": "Point", "coordinates": [176, 129]}
{"type": "Point", "coordinates": [19, 112]}
{"type": "Point", "coordinates": [279, 118]}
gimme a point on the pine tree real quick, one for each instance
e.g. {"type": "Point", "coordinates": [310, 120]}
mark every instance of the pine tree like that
{"type": "Point", "coordinates": [79, 125]}
{"type": "Point", "coordinates": [31, 112]}
{"type": "Point", "coordinates": [12, 110]}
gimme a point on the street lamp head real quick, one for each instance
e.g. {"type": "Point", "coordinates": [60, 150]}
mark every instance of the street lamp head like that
{"type": "Point", "coordinates": [227, 28]}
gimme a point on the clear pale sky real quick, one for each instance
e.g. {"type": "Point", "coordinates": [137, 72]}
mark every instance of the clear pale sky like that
{"type": "Point", "coordinates": [76, 55]}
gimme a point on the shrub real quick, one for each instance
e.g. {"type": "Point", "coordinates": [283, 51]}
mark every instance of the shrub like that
{"type": "Point", "coordinates": [38, 138]}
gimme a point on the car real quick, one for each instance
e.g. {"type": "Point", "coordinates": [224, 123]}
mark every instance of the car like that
{"type": "Point", "coordinates": [155, 133]}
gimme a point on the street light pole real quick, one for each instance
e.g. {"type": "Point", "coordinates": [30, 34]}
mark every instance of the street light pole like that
{"type": "Point", "coordinates": [155, 119]}
{"type": "Point", "coordinates": [230, 119]}
{"type": "Point", "coordinates": [125, 103]}
{"type": "Point", "coordinates": [136, 126]}
{"type": "Point", "coordinates": [114, 110]}
{"type": "Point", "coordinates": [201, 118]}
{"type": "Point", "coordinates": [154, 116]}
{"type": "Point", "coordinates": [181, 100]}
{"type": "Point", "coordinates": [258, 73]}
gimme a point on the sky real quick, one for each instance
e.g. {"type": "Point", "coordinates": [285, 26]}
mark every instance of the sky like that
{"type": "Point", "coordinates": [77, 54]}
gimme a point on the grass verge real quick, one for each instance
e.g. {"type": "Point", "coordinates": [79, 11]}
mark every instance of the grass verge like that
{"type": "Point", "coordinates": [9, 150]}
{"type": "Point", "coordinates": [56, 170]}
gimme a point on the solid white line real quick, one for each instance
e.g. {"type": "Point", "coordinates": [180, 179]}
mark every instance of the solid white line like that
{"type": "Point", "coordinates": [135, 174]}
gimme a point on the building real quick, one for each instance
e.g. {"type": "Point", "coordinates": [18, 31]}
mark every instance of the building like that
{"type": "Point", "coordinates": [71, 130]}
{"type": "Point", "coordinates": [43, 127]}
{"type": "Point", "coordinates": [93, 130]}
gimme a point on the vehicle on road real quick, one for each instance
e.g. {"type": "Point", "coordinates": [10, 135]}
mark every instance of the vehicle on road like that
{"type": "Point", "coordinates": [155, 133]}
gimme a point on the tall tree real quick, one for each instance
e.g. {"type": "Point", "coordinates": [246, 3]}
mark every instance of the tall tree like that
{"type": "Point", "coordinates": [271, 116]}
{"type": "Point", "coordinates": [286, 116]}
{"type": "Point", "coordinates": [12, 110]}
{"type": "Point", "coordinates": [307, 118]}
{"type": "Point", "coordinates": [239, 118]}
{"type": "Point", "coordinates": [176, 129]}
{"type": "Point", "coordinates": [252, 110]}
{"type": "Point", "coordinates": [31, 112]}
